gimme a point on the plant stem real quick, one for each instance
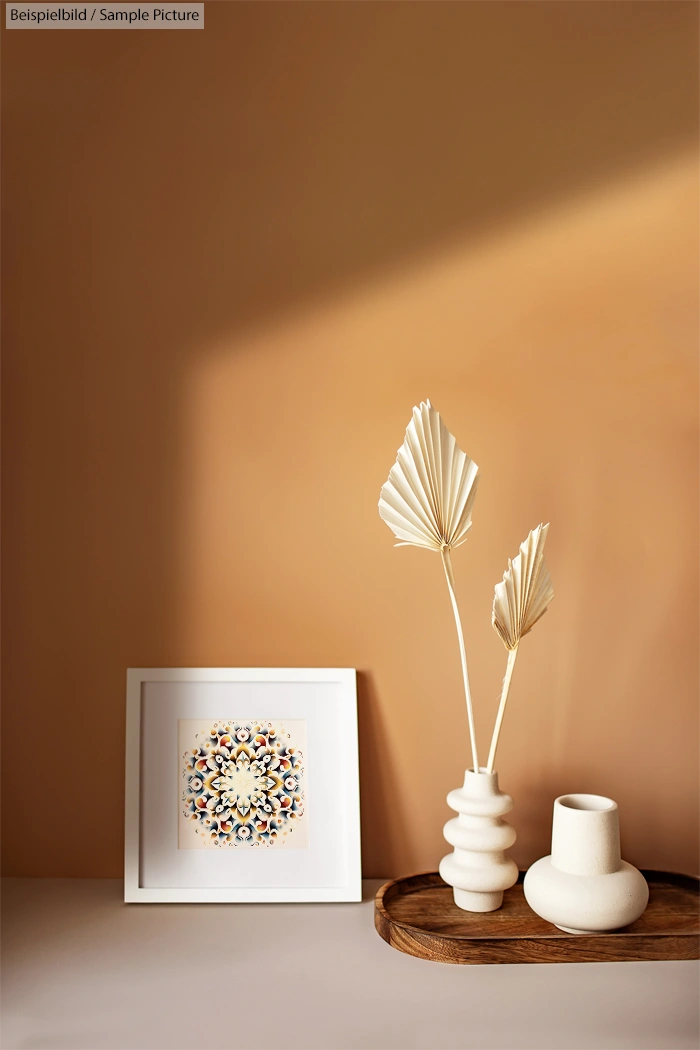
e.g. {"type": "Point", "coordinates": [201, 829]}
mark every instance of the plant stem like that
{"type": "Point", "coordinates": [512, 653]}
{"type": "Point", "coordinates": [462, 652]}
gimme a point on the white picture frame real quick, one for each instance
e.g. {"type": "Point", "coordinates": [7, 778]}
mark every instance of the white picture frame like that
{"type": "Point", "coordinates": [164, 708]}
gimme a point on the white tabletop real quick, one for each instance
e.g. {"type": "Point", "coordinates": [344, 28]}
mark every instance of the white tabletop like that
{"type": "Point", "coordinates": [83, 971]}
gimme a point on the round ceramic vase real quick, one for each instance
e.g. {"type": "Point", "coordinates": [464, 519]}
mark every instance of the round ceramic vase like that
{"type": "Point", "coordinates": [585, 886]}
{"type": "Point", "coordinates": [478, 869]}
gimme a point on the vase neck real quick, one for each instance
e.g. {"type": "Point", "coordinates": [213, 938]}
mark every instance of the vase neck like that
{"type": "Point", "coordinates": [586, 835]}
{"type": "Point", "coordinates": [481, 783]}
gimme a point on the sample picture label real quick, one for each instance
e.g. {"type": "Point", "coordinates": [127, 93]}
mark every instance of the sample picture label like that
{"type": "Point", "coordinates": [104, 16]}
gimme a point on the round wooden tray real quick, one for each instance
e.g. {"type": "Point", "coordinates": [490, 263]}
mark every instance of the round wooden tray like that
{"type": "Point", "coordinates": [417, 915]}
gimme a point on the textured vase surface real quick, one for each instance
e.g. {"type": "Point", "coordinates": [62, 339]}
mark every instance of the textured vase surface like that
{"type": "Point", "coordinates": [478, 869]}
{"type": "Point", "coordinates": [584, 886]}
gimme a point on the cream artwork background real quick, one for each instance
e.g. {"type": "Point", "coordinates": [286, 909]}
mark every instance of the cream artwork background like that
{"type": "Point", "coordinates": [242, 784]}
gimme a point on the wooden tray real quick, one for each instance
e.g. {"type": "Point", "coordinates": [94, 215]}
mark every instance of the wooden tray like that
{"type": "Point", "coordinates": [417, 915]}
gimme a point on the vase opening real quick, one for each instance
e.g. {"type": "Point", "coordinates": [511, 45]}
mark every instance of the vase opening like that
{"type": "Point", "coordinates": [590, 803]}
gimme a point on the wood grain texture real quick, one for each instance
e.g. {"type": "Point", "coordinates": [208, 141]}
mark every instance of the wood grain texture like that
{"type": "Point", "coordinates": [417, 915]}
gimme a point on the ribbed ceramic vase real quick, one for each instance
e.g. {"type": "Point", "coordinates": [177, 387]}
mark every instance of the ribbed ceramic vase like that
{"type": "Point", "coordinates": [478, 869]}
{"type": "Point", "coordinates": [585, 886]}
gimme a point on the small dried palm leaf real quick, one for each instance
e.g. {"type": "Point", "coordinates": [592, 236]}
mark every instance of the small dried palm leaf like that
{"type": "Point", "coordinates": [428, 499]}
{"type": "Point", "coordinates": [525, 592]}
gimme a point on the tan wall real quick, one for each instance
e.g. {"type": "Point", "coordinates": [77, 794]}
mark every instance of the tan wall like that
{"type": "Point", "coordinates": [233, 261]}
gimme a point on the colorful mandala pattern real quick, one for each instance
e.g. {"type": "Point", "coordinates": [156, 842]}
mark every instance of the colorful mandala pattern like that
{"type": "Point", "coordinates": [243, 784]}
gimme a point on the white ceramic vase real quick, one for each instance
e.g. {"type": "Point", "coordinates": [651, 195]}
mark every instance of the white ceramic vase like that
{"type": "Point", "coordinates": [585, 886]}
{"type": "Point", "coordinates": [478, 869]}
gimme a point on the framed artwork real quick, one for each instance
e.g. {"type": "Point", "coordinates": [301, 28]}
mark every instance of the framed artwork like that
{"type": "Point", "coordinates": [242, 785]}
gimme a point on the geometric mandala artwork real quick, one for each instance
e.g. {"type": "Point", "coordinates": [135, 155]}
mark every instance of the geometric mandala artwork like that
{"type": "Point", "coordinates": [242, 784]}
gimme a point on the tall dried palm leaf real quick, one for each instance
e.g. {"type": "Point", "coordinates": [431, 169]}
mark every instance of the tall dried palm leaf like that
{"type": "Point", "coordinates": [427, 502]}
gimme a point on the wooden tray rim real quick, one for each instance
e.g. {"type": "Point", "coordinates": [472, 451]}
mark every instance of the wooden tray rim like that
{"type": "Point", "coordinates": [691, 882]}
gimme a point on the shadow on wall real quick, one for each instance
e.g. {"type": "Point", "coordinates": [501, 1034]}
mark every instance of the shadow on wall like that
{"type": "Point", "coordinates": [161, 190]}
{"type": "Point", "coordinates": [386, 836]}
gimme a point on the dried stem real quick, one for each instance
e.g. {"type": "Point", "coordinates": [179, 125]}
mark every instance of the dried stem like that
{"type": "Point", "coordinates": [512, 653]}
{"type": "Point", "coordinates": [462, 652]}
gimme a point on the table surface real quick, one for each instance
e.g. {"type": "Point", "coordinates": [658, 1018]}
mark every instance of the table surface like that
{"type": "Point", "coordinates": [84, 971]}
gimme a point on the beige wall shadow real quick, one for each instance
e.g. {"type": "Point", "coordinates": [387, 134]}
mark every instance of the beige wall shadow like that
{"type": "Point", "coordinates": [386, 834]}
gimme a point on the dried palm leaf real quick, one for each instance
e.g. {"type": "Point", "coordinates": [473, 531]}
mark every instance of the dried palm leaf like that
{"type": "Point", "coordinates": [520, 600]}
{"type": "Point", "coordinates": [428, 499]}
{"type": "Point", "coordinates": [525, 592]}
{"type": "Point", "coordinates": [427, 502]}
